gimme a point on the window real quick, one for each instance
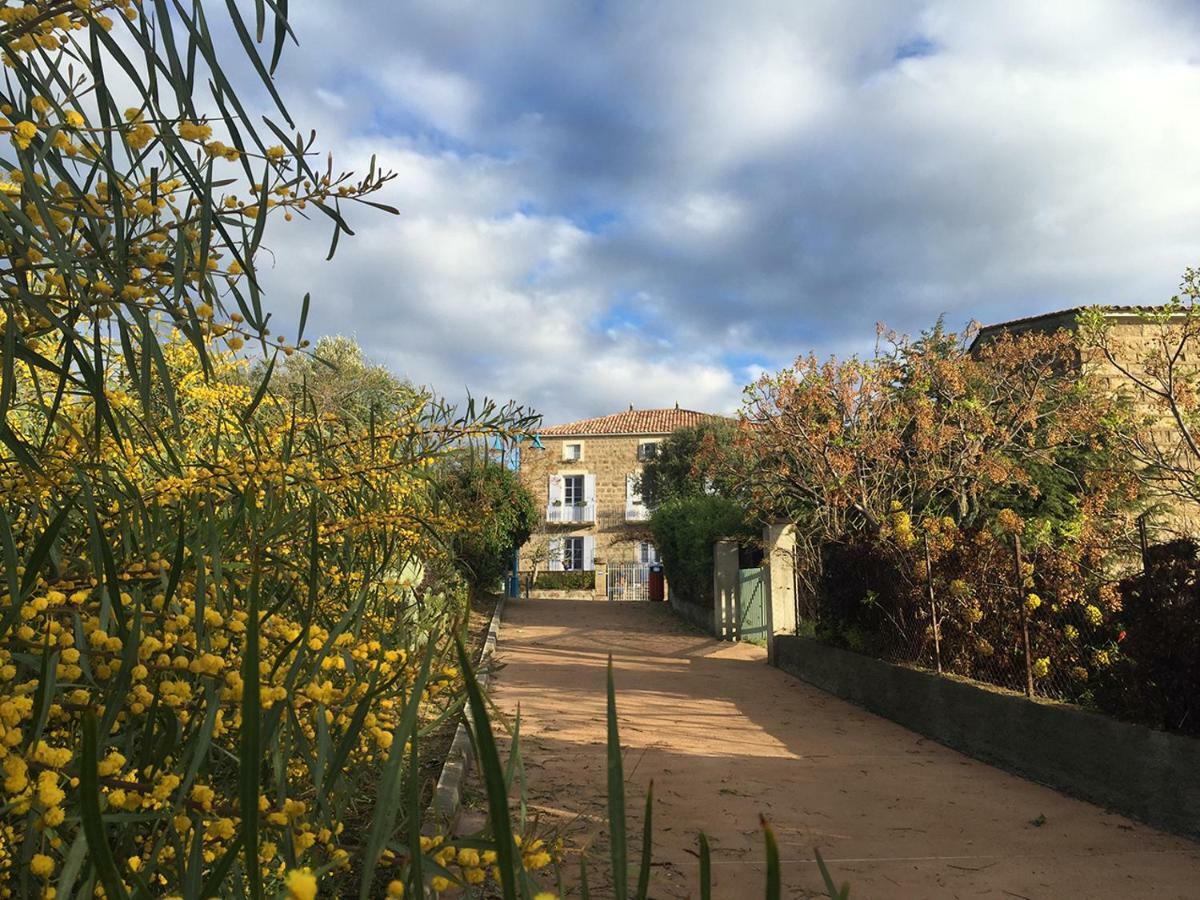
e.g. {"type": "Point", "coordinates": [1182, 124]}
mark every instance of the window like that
{"type": "Point", "coordinates": [572, 557]}
{"type": "Point", "coordinates": [647, 553]}
{"type": "Point", "coordinates": [647, 450]}
{"type": "Point", "coordinates": [573, 490]}
{"type": "Point", "coordinates": [573, 451]}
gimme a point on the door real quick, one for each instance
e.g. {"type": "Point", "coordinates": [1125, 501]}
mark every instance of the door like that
{"type": "Point", "coordinates": [751, 617]}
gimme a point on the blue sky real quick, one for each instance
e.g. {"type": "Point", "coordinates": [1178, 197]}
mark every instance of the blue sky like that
{"type": "Point", "coordinates": [614, 203]}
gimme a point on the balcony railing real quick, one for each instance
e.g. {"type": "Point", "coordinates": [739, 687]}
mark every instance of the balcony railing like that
{"type": "Point", "coordinates": [637, 514]}
{"type": "Point", "coordinates": [571, 512]}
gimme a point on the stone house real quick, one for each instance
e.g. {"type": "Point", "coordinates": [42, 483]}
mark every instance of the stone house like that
{"type": "Point", "coordinates": [585, 480]}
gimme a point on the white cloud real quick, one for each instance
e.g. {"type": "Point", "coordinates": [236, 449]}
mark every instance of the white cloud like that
{"type": "Point", "coordinates": [648, 203]}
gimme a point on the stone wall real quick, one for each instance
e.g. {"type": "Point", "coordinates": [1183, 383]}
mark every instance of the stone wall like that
{"type": "Point", "coordinates": [610, 459]}
{"type": "Point", "coordinates": [1147, 774]}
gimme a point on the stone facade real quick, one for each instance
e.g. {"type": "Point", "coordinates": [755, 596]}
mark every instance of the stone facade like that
{"type": "Point", "coordinates": [609, 460]}
{"type": "Point", "coordinates": [604, 454]}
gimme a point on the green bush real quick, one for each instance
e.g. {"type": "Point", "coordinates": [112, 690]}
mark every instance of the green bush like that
{"type": "Point", "coordinates": [499, 513]}
{"type": "Point", "coordinates": [684, 530]}
{"type": "Point", "coordinates": [565, 581]}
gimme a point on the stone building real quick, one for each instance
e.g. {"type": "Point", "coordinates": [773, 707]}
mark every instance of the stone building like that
{"type": "Point", "coordinates": [585, 480]}
{"type": "Point", "coordinates": [1129, 336]}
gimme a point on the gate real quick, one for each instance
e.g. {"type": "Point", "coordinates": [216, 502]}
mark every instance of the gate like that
{"type": "Point", "coordinates": [628, 581]}
{"type": "Point", "coordinates": [751, 619]}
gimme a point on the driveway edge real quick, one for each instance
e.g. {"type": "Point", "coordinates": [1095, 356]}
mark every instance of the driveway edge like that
{"type": "Point", "coordinates": [448, 794]}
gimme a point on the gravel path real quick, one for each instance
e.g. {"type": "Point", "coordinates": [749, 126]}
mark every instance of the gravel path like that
{"type": "Point", "coordinates": [725, 738]}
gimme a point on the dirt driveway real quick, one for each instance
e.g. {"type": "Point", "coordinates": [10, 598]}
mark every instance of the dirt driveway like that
{"type": "Point", "coordinates": [725, 737]}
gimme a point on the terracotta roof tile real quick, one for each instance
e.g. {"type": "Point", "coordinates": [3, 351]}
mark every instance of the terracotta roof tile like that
{"type": "Point", "coordinates": [635, 421]}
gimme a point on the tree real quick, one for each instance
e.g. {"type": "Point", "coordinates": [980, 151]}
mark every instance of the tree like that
{"type": "Point", "coordinates": [1162, 382]}
{"type": "Point", "coordinates": [338, 376]}
{"type": "Point", "coordinates": [684, 464]}
{"type": "Point", "coordinates": [684, 530]}
{"type": "Point", "coordinates": [498, 515]}
{"type": "Point", "coordinates": [931, 426]}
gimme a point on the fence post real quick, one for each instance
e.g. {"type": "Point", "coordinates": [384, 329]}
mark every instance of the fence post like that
{"type": "Point", "coordinates": [933, 616]}
{"type": "Point", "coordinates": [779, 586]}
{"type": "Point", "coordinates": [725, 581]}
{"type": "Point", "coordinates": [1024, 615]}
{"type": "Point", "coordinates": [600, 590]}
{"type": "Point", "coordinates": [1141, 521]}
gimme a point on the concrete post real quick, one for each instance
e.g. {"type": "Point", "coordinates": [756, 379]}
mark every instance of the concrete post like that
{"type": "Point", "coordinates": [779, 584]}
{"type": "Point", "coordinates": [601, 579]}
{"type": "Point", "coordinates": [725, 584]}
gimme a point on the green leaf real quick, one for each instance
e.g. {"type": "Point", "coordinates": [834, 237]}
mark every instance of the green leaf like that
{"type": "Point", "coordinates": [643, 887]}
{"type": "Point", "coordinates": [616, 797]}
{"type": "Point", "coordinates": [507, 858]}
{"type": "Point", "coordinates": [831, 889]}
{"type": "Point", "coordinates": [250, 755]}
{"type": "Point", "coordinates": [705, 869]}
{"type": "Point", "coordinates": [91, 818]}
{"type": "Point", "coordinates": [774, 887]}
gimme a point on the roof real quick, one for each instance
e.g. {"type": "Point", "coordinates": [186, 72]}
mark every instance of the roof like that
{"type": "Point", "coordinates": [1069, 311]}
{"type": "Point", "coordinates": [635, 421]}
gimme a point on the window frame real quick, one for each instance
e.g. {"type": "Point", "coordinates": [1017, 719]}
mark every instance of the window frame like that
{"type": "Point", "coordinates": [571, 562]}
{"type": "Point", "coordinates": [566, 455]}
{"type": "Point", "coordinates": [571, 498]}
{"type": "Point", "coordinates": [647, 450]}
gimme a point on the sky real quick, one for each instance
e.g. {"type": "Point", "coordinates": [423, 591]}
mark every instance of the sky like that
{"type": "Point", "coordinates": [604, 204]}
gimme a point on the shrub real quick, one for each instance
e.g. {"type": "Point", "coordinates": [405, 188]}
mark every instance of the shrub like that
{"type": "Point", "coordinates": [497, 513]}
{"type": "Point", "coordinates": [1156, 676]}
{"type": "Point", "coordinates": [684, 530]}
{"type": "Point", "coordinates": [566, 581]}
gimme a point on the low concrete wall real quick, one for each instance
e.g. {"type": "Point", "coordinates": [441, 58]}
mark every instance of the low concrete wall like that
{"type": "Point", "coordinates": [548, 594]}
{"type": "Point", "coordinates": [692, 614]}
{"type": "Point", "coordinates": [1149, 775]}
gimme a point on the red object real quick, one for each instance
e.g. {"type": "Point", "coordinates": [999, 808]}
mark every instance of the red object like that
{"type": "Point", "coordinates": [657, 585]}
{"type": "Point", "coordinates": [1121, 636]}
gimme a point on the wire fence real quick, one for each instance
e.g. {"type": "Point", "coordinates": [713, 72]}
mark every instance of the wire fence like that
{"type": "Point", "coordinates": [977, 607]}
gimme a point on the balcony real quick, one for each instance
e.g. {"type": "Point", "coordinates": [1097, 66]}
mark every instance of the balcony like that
{"type": "Point", "coordinates": [571, 512]}
{"type": "Point", "coordinates": [637, 514]}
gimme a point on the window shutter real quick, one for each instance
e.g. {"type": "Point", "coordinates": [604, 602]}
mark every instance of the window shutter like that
{"type": "Point", "coordinates": [589, 553]}
{"type": "Point", "coordinates": [554, 550]}
{"type": "Point", "coordinates": [555, 490]}
{"type": "Point", "coordinates": [589, 488]}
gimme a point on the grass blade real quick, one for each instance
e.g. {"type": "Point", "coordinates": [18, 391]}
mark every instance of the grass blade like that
{"type": "Point", "coordinates": [493, 775]}
{"type": "Point", "coordinates": [705, 869]}
{"type": "Point", "coordinates": [643, 886]}
{"type": "Point", "coordinates": [834, 892]}
{"type": "Point", "coordinates": [616, 798]}
{"type": "Point", "coordinates": [92, 819]}
{"type": "Point", "coordinates": [774, 887]}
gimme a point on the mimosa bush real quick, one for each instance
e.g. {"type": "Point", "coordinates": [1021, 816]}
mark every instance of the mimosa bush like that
{"type": "Point", "coordinates": [213, 649]}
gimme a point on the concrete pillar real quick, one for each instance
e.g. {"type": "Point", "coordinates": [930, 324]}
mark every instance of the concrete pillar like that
{"type": "Point", "coordinates": [779, 582]}
{"type": "Point", "coordinates": [601, 579]}
{"type": "Point", "coordinates": [725, 585]}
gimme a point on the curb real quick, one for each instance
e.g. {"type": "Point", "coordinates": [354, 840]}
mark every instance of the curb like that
{"type": "Point", "coordinates": [447, 796]}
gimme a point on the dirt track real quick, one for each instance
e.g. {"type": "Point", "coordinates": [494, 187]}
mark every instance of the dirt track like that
{"type": "Point", "coordinates": [725, 738]}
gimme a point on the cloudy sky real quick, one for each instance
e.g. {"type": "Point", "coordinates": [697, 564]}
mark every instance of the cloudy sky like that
{"type": "Point", "coordinates": [650, 203]}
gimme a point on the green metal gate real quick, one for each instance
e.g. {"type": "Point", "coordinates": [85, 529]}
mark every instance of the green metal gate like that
{"type": "Point", "coordinates": [751, 624]}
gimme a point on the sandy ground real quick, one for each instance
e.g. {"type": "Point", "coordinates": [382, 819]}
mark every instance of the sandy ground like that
{"type": "Point", "coordinates": [725, 737]}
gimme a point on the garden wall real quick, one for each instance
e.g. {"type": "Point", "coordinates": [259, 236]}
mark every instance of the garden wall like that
{"type": "Point", "coordinates": [700, 616]}
{"type": "Point", "coordinates": [1148, 775]}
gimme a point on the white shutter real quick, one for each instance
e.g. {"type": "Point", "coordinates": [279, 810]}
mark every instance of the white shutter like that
{"type": "Point", "coordinates": [589, 553]}
{"type": "Point", "coordinates": [555, 489]}
{"type": "Point", "coordinates": [554, 551]}
{"type": "Point", "coordinates": [589, 488]}
{"type": "Point", "coordinates": [633, 499]}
